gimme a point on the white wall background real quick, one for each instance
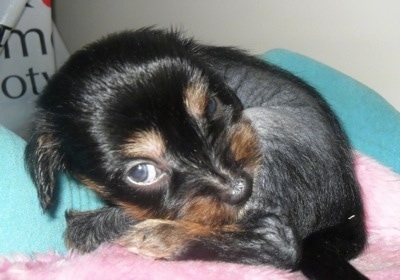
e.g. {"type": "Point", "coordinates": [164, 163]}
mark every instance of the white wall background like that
{"type": "Point", "coordinates": [358, 37]}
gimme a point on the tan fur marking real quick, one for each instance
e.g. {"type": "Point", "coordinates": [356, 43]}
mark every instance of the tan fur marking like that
{"type": "Point", "coordinates": [208, 211]}
{"type": "Point", "coordinates": [165, 239]}
{"type": "Point", "coordinates": [245, 146]}
{"type": "Point", "coordinates": [101, 190]}
{"type": "Point", "coordinates": [146, 144]}
{"type": "Point", "coordinates": [196, 99]}
{"type": "Point", "coordinates": [139, 213]}
{"type": "Point", "coordinates": [45, 140]}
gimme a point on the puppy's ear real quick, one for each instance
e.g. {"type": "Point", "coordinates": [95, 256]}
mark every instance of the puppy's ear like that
{"type": "Point", "coordinates": [43, 161]}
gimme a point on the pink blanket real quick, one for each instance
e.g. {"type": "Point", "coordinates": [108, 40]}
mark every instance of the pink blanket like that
{"type": "Point", "coordinates": [381, 259]}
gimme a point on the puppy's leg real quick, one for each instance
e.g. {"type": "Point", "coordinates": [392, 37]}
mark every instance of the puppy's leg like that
{"type": "Point", "coordinates": [161, 239]}
{"type": "Point", "coordinates": [88, 230]}
{"type": "Point", "coordinates": [267, 242]}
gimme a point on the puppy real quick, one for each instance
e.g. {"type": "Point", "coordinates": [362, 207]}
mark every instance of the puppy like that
{"type": "Point", "coordinates": [202, 152]}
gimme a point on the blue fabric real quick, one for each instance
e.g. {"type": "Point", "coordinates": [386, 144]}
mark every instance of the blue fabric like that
{"type": "Point", "coordinates": [371, 123]}
{"type": "Point", "coordinates": [24, 227]}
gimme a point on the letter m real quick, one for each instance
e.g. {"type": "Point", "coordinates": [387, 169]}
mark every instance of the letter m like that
{"type": "Point", "coordinates": [23, 40]}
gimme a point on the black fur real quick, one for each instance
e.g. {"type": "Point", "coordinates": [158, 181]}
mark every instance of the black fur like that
{"type": "Point", "coordinates": [290, 200]}
{"type": "Point", "coordinates": [92, 228]}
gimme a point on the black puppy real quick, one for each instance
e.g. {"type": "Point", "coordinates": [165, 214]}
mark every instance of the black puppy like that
{"type": "Point", "coordinates": [159, 126]}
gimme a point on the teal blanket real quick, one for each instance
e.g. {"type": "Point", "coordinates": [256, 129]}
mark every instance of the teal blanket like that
{"type": "Point", "coordinates": [371, 123]}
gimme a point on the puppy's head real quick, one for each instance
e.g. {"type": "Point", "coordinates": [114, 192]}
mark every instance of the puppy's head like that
{"type": "Point", "coordinates": [140, 120]}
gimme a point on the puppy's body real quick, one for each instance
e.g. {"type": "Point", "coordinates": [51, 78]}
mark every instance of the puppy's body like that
{"type": "Point", "coordinates": [167, 130]}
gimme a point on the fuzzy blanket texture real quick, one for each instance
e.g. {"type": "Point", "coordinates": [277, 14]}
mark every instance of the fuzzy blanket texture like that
{"type": "Point", "coordinates": [380, 260]}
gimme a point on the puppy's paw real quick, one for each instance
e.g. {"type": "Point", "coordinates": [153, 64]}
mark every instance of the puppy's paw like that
{"type": "Point", "coordinates": [158, 239]}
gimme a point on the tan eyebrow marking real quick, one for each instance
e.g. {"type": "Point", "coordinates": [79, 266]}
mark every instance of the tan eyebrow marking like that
{"type": "Point", "coordinates": [245, 146]}
{"type": "Point", "coordinates": [146, 144]}
{"type": "Point", "coordinates": [195, 98]}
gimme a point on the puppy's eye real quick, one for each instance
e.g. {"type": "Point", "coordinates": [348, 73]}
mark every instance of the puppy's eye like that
{"type": "Point", "coordinates": [212, 106]}
{"type": "Point", "coordinates": [143, 174]}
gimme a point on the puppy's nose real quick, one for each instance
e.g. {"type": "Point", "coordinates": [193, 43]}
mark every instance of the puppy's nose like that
{"type": "Point", "coordinates": [239, 190]}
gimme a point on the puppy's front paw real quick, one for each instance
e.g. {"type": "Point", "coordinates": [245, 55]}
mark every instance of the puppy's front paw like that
{"type": "Point", "coordinates": [158, 239]}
